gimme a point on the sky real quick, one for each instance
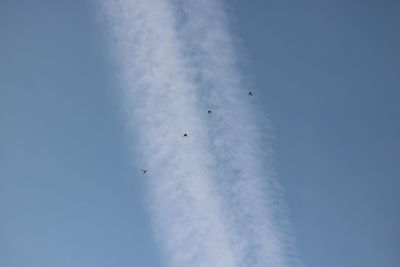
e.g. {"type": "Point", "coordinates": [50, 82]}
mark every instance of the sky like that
{"type": "Point", "coordinates": [324, 74]}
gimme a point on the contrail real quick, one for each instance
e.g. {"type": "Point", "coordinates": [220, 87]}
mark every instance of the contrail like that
{"type": "Point", "coordinates": [213, 197]}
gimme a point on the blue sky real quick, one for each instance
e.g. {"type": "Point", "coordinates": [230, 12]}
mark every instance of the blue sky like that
{"type": "Point", "coordinates": [325, 73]}
{"type": "Point", "coordinates": [329, 77]}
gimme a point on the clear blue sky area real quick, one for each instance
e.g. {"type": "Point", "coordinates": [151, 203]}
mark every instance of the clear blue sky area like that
{"type": "Point", "coordinates": [326, 73]}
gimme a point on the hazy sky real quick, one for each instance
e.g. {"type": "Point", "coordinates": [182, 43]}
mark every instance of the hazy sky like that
{"type": "Point", "coordinates": [325, 73]}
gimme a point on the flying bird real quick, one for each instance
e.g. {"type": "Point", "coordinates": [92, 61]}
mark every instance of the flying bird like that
{"type": "Point", "coordinates": [144, 171]}
{"type": "Point", "coordinates": [185, 135]}
{"type": "Point", "coordinates": [250, 93]}
{"type": "Point", "coordinates": [209, 112]}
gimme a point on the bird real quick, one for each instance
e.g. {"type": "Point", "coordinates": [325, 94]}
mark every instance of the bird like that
{"type": "Point", "coordinates": [250, 94]}
{"type": "Point", "coordinates": [209, 112]}
{"type": "Point", "coordinates": [144, 171]}
{"type": "Point", "coordinates": [185, 135]}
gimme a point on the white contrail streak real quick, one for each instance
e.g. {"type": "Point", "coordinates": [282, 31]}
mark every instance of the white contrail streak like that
{"type": "Point", "coordinates": [214, 201]}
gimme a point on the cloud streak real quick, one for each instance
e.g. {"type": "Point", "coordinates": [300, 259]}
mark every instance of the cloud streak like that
{"type": "Point", "coordinates": [213, 198]}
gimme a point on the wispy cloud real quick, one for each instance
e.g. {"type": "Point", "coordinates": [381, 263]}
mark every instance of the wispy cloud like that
{"type": "Point", "coordinates": [213, 196]}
